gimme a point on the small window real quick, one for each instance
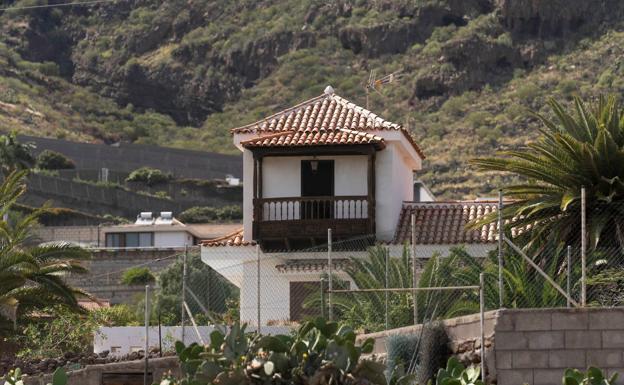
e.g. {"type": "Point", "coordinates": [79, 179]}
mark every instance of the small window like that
{"type": "Point", "coordinates": [113, 240]}
{"type": "Point", "coordinates": [146, 239]}
{"type": "Point", "coordinates": [132, 239]}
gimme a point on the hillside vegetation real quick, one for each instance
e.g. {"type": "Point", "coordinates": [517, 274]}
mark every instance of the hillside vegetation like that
{"type": "Point", "coordinates": [181, 73]}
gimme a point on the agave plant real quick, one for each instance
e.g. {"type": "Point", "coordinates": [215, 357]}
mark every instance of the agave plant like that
{"type": "Point", "coordinates": [32, 277]}
{"type": "Point", "coordinates": [579, 148]}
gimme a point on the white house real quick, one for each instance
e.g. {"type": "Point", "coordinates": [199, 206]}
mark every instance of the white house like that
{"type": "Point", "coordinates": [163, 231]}
{"type": "Point", "coordinates": [327, 163]}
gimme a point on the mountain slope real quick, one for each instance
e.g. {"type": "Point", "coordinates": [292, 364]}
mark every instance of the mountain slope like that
{"type": "Point", "coordinates": [180, 73]}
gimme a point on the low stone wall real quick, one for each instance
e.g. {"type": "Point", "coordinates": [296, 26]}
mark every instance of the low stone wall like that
{"type": "Point", "coordinates": [464, 334]}
{"type": "Point", "coordinates": [93, 374]}
{"type": "Point", "coordinates": [533, 346]}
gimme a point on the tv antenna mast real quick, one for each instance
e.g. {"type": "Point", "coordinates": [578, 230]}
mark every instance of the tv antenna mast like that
{"type": "Point", "coordinates": [376, 84]}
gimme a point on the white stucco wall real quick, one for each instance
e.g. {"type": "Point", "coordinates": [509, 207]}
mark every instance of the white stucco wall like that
{"type": "Point", "coordinates": [172, 239]}
{"type": "Point", "coordinates": [248, 187]}
{"type": "Point", "coordinates": [126, 339]}
{"type": "Point", "coordinates": [239, 266]}
{"type": "Point", "coordinates": [394, 177]}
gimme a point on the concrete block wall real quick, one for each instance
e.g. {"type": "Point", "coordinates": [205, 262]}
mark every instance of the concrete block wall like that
{"type": "Point", "coordinates": [535, 346]}
{"type": "Point", "coordinates": [87, 235]}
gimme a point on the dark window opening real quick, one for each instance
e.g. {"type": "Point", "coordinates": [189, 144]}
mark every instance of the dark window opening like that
{"type": "Point", "coordinates": [132, 239]}
{"type": "Point", "coordinates": [317, 180]}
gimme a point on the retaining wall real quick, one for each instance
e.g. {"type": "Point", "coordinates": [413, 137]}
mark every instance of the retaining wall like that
{"type": "Point", "coordinates": [128, 157]}
{"type": "Point", "coordinates": [93, 374]}
{"type": "Point", "coordinates": [534, 346]}
{"type": "Point", "coordinates": [107, 267]}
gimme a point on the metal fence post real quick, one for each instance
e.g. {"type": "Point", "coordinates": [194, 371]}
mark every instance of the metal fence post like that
{"type": "Point", "coordinates": [184, 293]}
{"type": "Point", "coordinates": [329, 270]}
{"type": "Point", "coordinates": [414, 267]}
{"type": "Point", "coordinates": [147, 319]}
{"type": "Point", "coordinates": [569, 273]}
{"type": "Point", "coordinates": [482, 322]}
{"type": "Point", "coordinates": [387, 286]}
{"type": "Point", "coordinates": [501, 234]}
{"type": "Point", "coordinates": [583, 248]}
{"type": "Point", "coordinates": [323, 297]}
{"type": "Point", "coordinates": [258, 287]}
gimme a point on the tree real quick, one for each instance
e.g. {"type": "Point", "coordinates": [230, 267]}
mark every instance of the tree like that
{"type": "Point", "coordinates": [579, 148]}
{"type": "Point", "coordinates": [52, 160]}
{"type": "Point", "coordinates": [32, 277]}
{"type": "Point", "coordinates": [15, 155]}
{"type": "Point", "coordinates": [209, 287]}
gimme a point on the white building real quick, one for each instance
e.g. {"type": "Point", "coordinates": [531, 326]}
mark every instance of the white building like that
{"type": "Point", "coordinates": [328, 164]}
{"type": "Point", "coordinates": [163, 231]}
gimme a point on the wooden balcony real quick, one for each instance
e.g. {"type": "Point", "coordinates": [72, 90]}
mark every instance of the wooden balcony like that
{"type": "Point", "coordinates": [308, 218]}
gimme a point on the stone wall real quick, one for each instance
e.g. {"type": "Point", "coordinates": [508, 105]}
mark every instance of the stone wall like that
{"type": "Point", "coordinates": [535, 346]}
{"type": "Point", "coordinates": [92, 374]}
{"type": "Point", "coordinates": [107, 267]}
{"type": "Point", "coordinates": [85, 235]}
{"type": "Point", "coordinates": [128, 157]}
{"type": "Point", "coordinates": [464, 334]}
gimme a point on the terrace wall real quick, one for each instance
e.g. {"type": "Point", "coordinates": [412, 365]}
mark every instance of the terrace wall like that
{"type": "Point", "coordinates": [534, 346]}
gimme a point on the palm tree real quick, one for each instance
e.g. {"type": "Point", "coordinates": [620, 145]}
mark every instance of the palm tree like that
{"type": "Point", "coordinates": [579, 148]}
{"type": "Point", "coordinates": [15, 155]}
{"type": "Point", "coordinates": [32, 277]}
{"type": "Point", "coordinates": [523, 287]}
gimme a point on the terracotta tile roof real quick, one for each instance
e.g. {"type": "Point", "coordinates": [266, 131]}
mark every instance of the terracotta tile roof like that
{"type": "Point", "coordinates": [445, 223]}
{"type": "Point", "coordinates": [317, 117]}
{"type": "Point", "coordinates": [318, 138]}
{"type": "Point", "coordinates": [232, 239]}
{"type": "Point", "coordinates": [310, 265]}
{"type": "Point", "coordinates": [326, 112]}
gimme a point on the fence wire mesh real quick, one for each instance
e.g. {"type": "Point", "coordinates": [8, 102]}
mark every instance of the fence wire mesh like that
{"type": "Point", "coordinates": [368, 284]}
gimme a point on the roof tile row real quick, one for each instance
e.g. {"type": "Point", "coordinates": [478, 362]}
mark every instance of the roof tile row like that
{"type": "Point", "coordinates": [322, 113]}
{"type": "Point", "coordinates": [445, 223]}
{"type": "Point", "coordinates": [299, 138]}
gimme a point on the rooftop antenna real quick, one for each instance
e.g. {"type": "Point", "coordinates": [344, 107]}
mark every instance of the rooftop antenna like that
{"type": "Point", "coordinates": [376, 84]}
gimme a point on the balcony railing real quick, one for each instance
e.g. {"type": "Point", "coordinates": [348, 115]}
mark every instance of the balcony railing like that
{"type": "Point", "coordinates": [312, 216]}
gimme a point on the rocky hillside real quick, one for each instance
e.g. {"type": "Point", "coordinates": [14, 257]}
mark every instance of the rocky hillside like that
{"type": "Point", "coordinates": [180, 73]}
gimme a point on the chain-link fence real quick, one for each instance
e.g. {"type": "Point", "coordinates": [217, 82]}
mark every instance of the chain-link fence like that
{"type": "Point", "coordinates": [377, 286]}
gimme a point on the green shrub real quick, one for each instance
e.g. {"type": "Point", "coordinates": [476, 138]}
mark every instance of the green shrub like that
{"type": "Point", "coordinates": [567, 86]}
{"type": "Point", "coordinates": [138, 276]}
{"type": "Point", "coordinates": [117, 315]}
{"type": "Point", "coordinates": [150, 176]}
{"type": "Point", "coordinates": [162, 194]}
{"type": "Point", "coordinates": [211, 214]}
{"type": "Point", "coordinates": [52, 160]}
